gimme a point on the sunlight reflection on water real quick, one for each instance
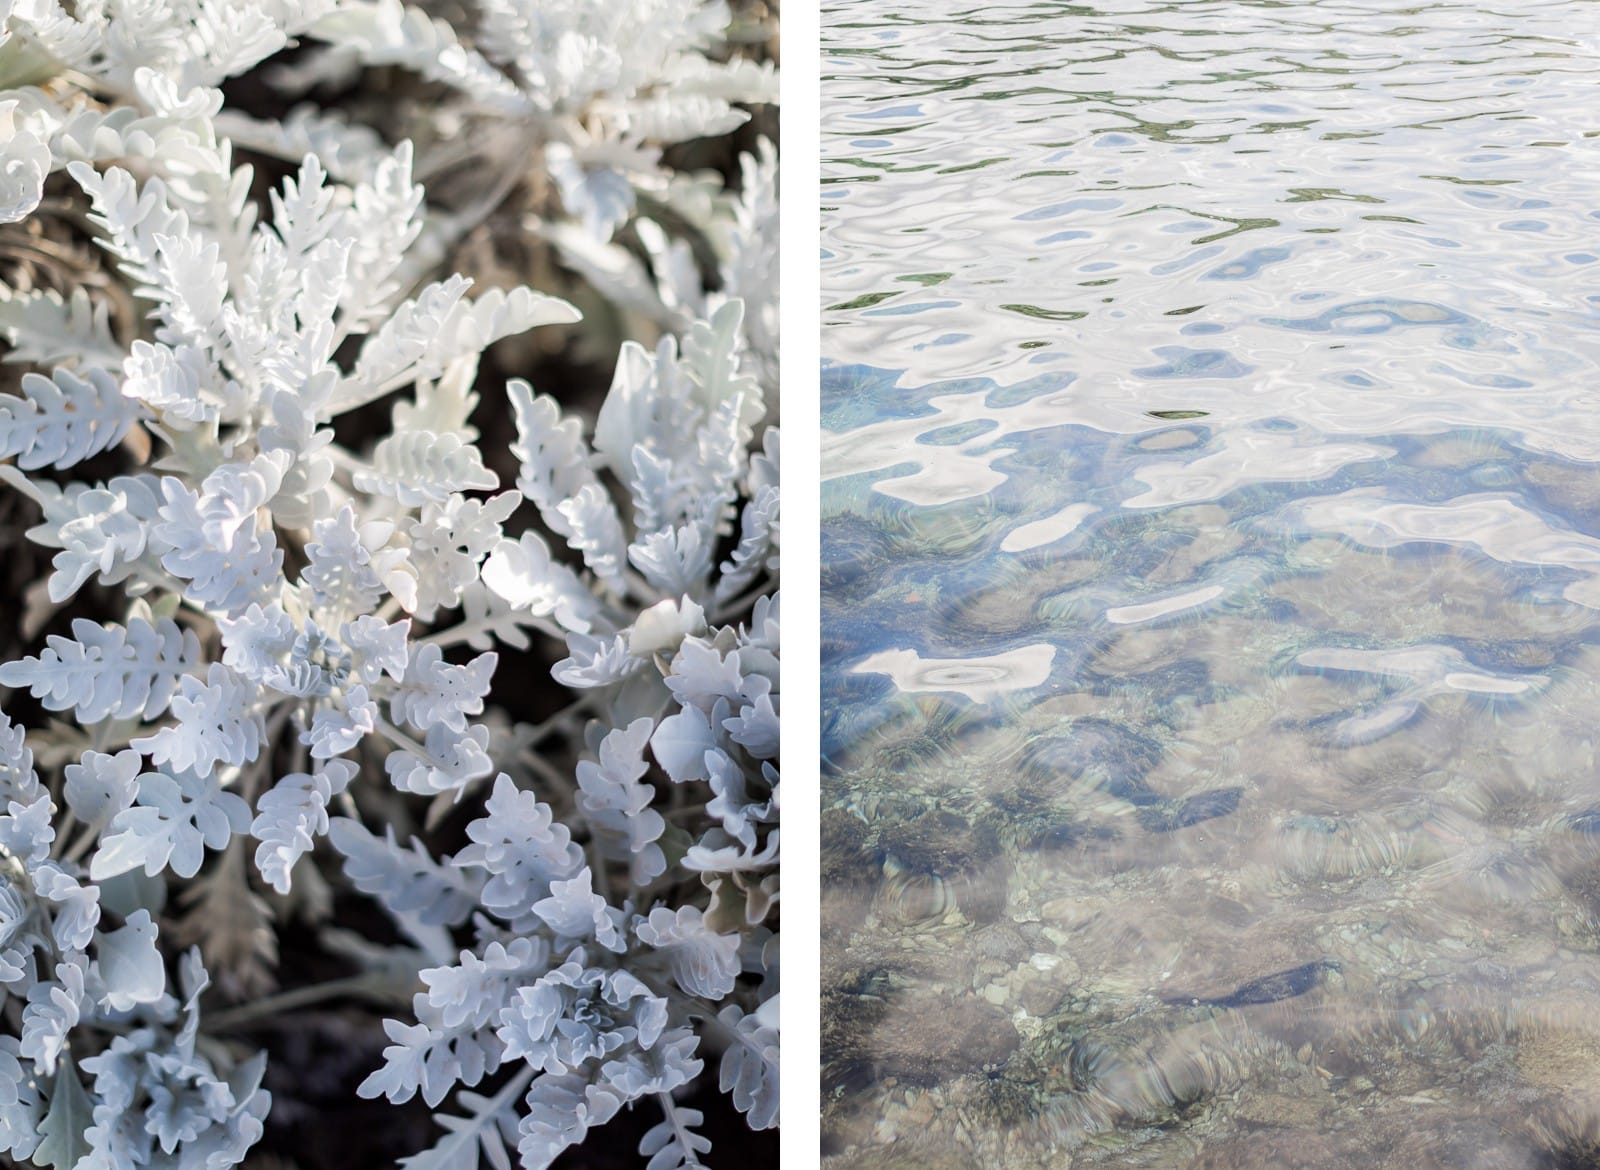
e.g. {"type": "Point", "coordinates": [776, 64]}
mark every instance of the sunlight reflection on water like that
{"type": "Point", "coordinates": [1211, 584]}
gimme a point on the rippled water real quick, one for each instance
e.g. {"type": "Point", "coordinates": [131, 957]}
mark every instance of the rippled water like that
{"type": "Point", "coordinates": [1211, 584]}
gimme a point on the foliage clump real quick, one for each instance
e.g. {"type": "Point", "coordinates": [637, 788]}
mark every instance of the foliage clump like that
{"type": "Point", "coordinates": [348, 627]}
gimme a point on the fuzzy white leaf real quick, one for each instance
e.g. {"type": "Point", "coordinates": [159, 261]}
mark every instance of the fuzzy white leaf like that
{"type": "Point", "coordinates": [76, 905]}
{"type": "Point", "coordinates": [192, 282]}
{"type": "Point", "coordinates": [702, 962]}
{"type": "Point", "coordinates": [524, 574]}
{"type": "Point", "coordinates": [158, 247]}
{"type": "Point", "coordinates": [214, 540]}
{"type": "Point", "coordinates": [481, 1133]}
{"type": "Point", "coordinates": [448, 544]}
{"type": "Point", "coordinates": [561, 1109]}
{"type": "Point", "coordinates": [662, 628]}
{"type": "Point", "coordinates": [389, 356]}
{"type": "Point", "coordinates": [387, 32]}
{"type": "Point", "coordinates": [681, 742]}
{"type": "Point", "coordinates": [592, 526]}
{"type": "Point", "coordinates": [339, 729]}
{"type": "Point", "coordinates": [340, 567]}
{"type": "Point", "coordinates": [750, 1066]}
{"type": "Point", "coordinates": [64, 419]}
{"type": "Point", "coordinates": [675, 426]}
{"type": "Point", "coordinates": [711, 361]}
{"type": "Point", "coordinates": [255, 642]}
{"type": "Point", "coordinates": [109, 672]}
{"type": "Point", "coordinates": [305, 213]}
{"type": "Point", "coordinates": [130, 964]}
{"type": "Point", "coordinates": [26, 832]}
{"type": "Point", "coordinates": [600, 197]}
{"type": "Point", "coordinates": [596, 662]}
{"type": "Point", "coordinates": [522, 848]}
{"type": "Point", "coordinates": [645, 400]}
{"type": "Point", "coordinates": [673, 1144]}
{"type": "Point", "coordinates": [62, 1144]}
{"type": "Point", "coordinates": [100, 786]}
{"type": "Point", "coordinates": [42, 329]}
{"type": "Point", "coordinates": [757, 538]}
{"type": "Point", "coordinates": [18, 780]}
{"type": "Point", "coordinates": [554, 457]}
{"type": "Point", "coordinates": [738, 79]}
{"type": "Point", "coordinates": [292, 815]}
{"type": "Point", "coordinates": [176, 819]}
{"type": "Point", "coordinates": [54, 1009]}
{"type": "Point", "coordinates": [674, 560]}
{"type": "Point", "coordinates": [217, 720]}
{"type": "Point", "coordinates": [666, 291]}
{"type": "Point", "coordinates": [435, 693]}
{"type": "Point", "coordinates": [475, 325]}
{"type": "Point", "coordinates": [98, 528]}
{"type": "Point", "coordinates": [407, 881]}
{"type": "Point", "coordinates": [675, 118]}
{"type": "Point", "coordinates": [380, 648]}
{"type": "Point", "coordinates": [451, 761]}
{"type": "Point", "coordinates": [556, 476]}
{"type": "Point", "coordinates": [415, 467]}
{"type": "Point", "coordinates": [616, 802]}
{"type": "Point", "coordinates": [385, 215]}
{"type": "Point", "coordinates": [173, 382]}
{"type": "Point", "coordinates": [348, 150]}
{"type": "Point", "coordinates": [575, 912]}
{"type": "Point", "coordinates": [23, 168]}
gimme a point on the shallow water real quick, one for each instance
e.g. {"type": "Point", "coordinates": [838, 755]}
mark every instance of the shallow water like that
{"type": "Point", "coordinates": [1211, 584]}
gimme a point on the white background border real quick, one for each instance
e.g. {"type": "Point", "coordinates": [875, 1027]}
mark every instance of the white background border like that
{"type": "Point", "coordinates": [801, 431]}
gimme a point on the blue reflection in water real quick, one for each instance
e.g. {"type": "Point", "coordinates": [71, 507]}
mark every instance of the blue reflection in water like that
{"type": "Point", "coordinates": [1248, 265]}
{"type": "Point", "coordinates": [1182, 362]}
{"type": "Point", "coordinates": [1373, 316]}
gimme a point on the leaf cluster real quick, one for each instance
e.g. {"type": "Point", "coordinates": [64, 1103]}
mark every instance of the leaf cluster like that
{"type": "Point", "coordinates": [288, 573]}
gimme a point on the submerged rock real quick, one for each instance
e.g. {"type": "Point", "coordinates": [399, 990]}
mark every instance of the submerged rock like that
{"type": "Point", "coordinates": [1269, 988]}
{"type": "Point", "coordinates": [1111, 755]}
{"type": "Point", "coordinates": [873, 1030]}
{"type": "Point", "coordinates": [928, 1038]}
{"type": "Point", "coordinates": [943, 858]}
{"type": "Point", "coordinates": [1169, 818]}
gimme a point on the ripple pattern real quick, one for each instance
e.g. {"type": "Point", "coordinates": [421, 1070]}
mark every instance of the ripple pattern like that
{"type": "Point", "coordinates": [1211, 584]}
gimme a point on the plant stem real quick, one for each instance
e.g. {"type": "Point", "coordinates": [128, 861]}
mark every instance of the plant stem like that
{"type": "Point", "coordinates": [401, 740]}
{"type": "Point", "coordinates": [465, 630]}
{"type": "Point", "coordinates": [547, 773]}
{"type": "Point", "coordinates": [737, 605]}
{"type": "Point", "coordinates": [680, 1132]}
{"type": "Point", "coordinates": [360, 986]}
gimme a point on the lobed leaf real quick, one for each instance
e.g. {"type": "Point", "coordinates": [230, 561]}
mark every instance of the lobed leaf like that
{"type": "Point", "coordinates": [107, 672]}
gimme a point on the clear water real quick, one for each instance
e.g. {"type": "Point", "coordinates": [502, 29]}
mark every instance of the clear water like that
{"type": "Point", "coordinates": [1211, 584]}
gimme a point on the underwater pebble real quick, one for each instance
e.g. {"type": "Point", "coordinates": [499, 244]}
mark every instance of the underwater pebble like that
{"type": "Point", "coordinates": [1529, 950]}
{"type": "Point", "coordinates": [1040, 998]}
{"type": "Point", "coordinates": [990, 969]}
{"type": "Point", "coordinates": [1000, 941]}
{"type": "Point", "coordinates": [1280, 1110]}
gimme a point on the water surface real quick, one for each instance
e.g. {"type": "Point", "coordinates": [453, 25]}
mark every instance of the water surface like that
{"type": "Point", "coordinates": [1211, 584]}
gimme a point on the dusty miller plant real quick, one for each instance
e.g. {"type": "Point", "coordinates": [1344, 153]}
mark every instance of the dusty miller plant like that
{"type": "Point", "coordinates": [310, 627]}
